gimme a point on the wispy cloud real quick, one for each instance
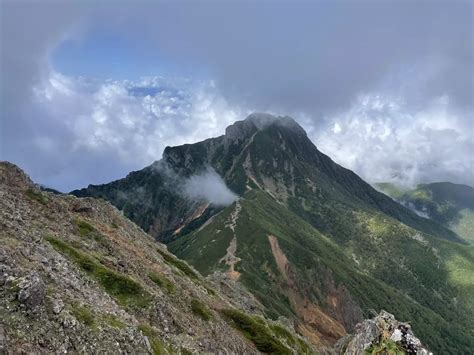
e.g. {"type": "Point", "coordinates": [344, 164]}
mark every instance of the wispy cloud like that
{"type": "Point", "coordinates": [209, 186]}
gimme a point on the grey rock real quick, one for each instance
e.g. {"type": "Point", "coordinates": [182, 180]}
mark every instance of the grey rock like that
{"type": "Point", "coordinates": [3, 279]}
{"type": "Point", "coordinates": [383, 327]}
{"type": "Point", "coordinates": [147, 343]}
{"type": "Point", "coordinates": [3, 341]}
{"type": "Point", "coordinates": [32, 291]}
{"type": "Point", "coordinates": [58, 305]}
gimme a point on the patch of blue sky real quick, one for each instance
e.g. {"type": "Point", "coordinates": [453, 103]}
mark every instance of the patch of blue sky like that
{"type": "Point", "coordinates": [104, 55]}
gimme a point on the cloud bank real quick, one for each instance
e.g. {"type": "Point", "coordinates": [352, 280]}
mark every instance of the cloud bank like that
{"type": "Point", "coordinates": [383, 87]}
{"type": "Point", "coordinates": [91, 131]}
{"type": "Point", "coordinates": [382, 139]}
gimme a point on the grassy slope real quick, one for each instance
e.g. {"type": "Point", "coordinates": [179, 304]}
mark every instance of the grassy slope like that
{"type": "Point", "coordinates": [451, 205]}
{"type": "Point", "coordinates": [404, 271]}
{"type": "Point", "coordinates": [464, 225]}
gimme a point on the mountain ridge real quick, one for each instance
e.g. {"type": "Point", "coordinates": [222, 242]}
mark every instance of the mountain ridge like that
{"type": "Point", "coordinates": [359, 239]}
{"type": "Point", "coordinates": [76, 277]}
{"type": "Point", "coordinates": [226, 157]}
{"type": "Point", "coordinates": [79, 277]}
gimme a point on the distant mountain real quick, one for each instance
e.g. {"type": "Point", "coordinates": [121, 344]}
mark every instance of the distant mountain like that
{"type": "Point", "coordinates": [309, 238]}
{"type": "Point", "coordinates": [451, 205]}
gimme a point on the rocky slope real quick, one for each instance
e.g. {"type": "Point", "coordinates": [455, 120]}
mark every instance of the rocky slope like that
{"type": "Point", "coordinates": [311, 240]}
{"type": "Point", "coordinates": [76, 276]}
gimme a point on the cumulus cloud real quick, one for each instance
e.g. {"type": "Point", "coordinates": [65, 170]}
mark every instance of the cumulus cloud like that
{"type": "Point", "coordinates": [209, 186]}
{"type": "Point", "coordinates": [315, 61]}
{"type": "Point", "coordinates": [382, 139]}
{"type": "Point", "coordinates": [93, 131]}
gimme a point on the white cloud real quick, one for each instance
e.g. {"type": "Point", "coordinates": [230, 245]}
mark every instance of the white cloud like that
{"type": "Point", "coordinates": [336, 128]}
{"type": "Point", "coordinates": [127, 122]}
{"type": "Point", "coordinates": [382, 140]}
{"type": "Point", "coordinates": [209, 186]}
{"type": "Point", "coordinates": [126, 125]}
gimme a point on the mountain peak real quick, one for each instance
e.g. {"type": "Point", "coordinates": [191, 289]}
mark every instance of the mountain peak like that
{"type": "Point", "coordinates": [260, 121]}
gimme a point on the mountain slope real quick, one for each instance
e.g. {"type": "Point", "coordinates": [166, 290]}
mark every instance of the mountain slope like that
{"type": "Point", "coordinates": [310, 239]}
{"type": "Point", "coordinates": [296, 271]}
{"type": "Point", "coordinates": [451, 205]}
{"type": "Point", "coordinates": [262, 151]}
{"type": "Point", "coordinates": [79, 277]}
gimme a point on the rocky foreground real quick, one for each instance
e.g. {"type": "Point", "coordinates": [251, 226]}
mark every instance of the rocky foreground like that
{"type": "Point", "coordinates": [76, 276]}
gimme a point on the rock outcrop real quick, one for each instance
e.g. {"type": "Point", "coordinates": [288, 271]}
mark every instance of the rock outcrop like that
{"type": "Point", "coordinates": [381, 335]}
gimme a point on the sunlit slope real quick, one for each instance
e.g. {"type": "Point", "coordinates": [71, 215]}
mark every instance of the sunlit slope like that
{"type": "Point", "coordinates": [451, 205]}
{"type": "Point", "coordinates": [287, 263]}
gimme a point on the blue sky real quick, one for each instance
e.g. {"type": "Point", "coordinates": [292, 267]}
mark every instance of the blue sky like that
{"type": "Point", "coordinates": [104, 54]}
{"type": "Point", "coordinates": [92, 90]}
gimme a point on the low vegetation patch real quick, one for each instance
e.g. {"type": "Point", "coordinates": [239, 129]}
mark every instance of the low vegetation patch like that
{"type": "Point", "coordinates": [290, 339]}
{"type": "Point", "coordinates": [179, 264]}
{"type": "Point", "coordinates": [385, 347]}
{"type": "Point", "coordinates": [126, 291]}
{"type": "Point", "coordinates": [113, 321]}
{"type": "Point", "coordinates": [256, 332]}
{"type": "Point", "coordinates": [86, 230]}
{"type": "Point", "coordinates": [162, 282]}
{"type": "Point", "coordinates": [37, 196]}
{"type": "Point", "coordinates": [156, 344]}
{"type": "Point", "coordinates": [83, 314]}
{"type": "Point", "coordinates": [209, 290]}
{"type": "Point", "coordinates": [201, 310]}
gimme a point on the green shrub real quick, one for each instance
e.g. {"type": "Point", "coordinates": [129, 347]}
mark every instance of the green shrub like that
{"type": "Point", "coordinates": [83, 314]}
{"type": "Point", "coordinates": [156, 344]}
{"type": "Point", "coordinates": [162, 282]}
{"type": "Point", "coordinates": [291, 340]}
{"type": "Point", "coordinates": [179, 264]}
{"type": "Point", "coordinates": [185, 351]}
{"type": "Point", "coordinates": [87, 230]}
{"type": "Point", "coordinates": [126, 291]}
{"type": "Point", "coordinates": [209, 290]}
{"type": "Point", "coordinates": [281, 332]}
{"type": "Point", "coordinates": [256, 332]}
{"type": "Point", "coordinates": [37, 196]}
{"type": "Point", "coordinates": [113, 321]}
{"type": "Point", "coordinates": [385, 347]}
{"type": "Point", "coordinates": [200, 310]}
